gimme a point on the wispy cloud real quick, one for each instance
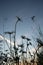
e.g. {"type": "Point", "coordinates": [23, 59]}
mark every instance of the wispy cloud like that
{"type": "Point", "coordinates": [17, 42]}
{"type": "Point", "coordinates": [8, 41]}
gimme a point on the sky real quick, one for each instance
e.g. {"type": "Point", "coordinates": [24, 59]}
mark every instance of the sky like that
{"type": "Point", "coordinates": [25, 9]}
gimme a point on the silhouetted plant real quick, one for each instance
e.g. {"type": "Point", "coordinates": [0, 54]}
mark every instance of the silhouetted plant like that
{"type": "Point", "coordinates": [40, 59]}
{"type": "Point", "coordinates": [33, 18]}
{"type": "Point", "coordinates": [40, 56]}
{"type": "Point", "coordinates": [40, 43]}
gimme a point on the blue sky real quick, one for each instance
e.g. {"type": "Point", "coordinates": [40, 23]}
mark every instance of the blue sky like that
{"type": "Point", "coordinates": [25, 9]}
